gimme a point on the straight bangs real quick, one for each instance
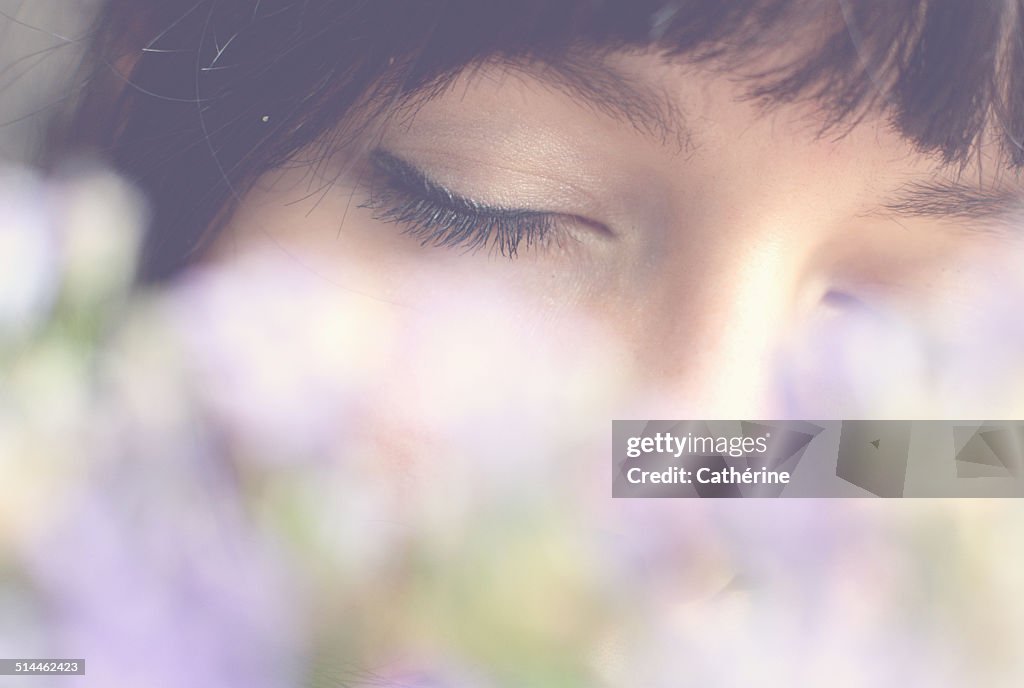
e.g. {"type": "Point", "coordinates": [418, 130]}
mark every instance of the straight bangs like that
{"type": "Point", "coordinates": [194, 101]}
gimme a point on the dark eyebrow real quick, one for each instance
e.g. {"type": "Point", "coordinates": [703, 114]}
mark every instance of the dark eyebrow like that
{"type": "Point", "coordinates": [957, 201]}
{"type": "Point", "coordinates": [588, 76]}
{"type": "Point", "coordinates": [611, 92]}
{"type": "Point", "coordinates": [591, 80]}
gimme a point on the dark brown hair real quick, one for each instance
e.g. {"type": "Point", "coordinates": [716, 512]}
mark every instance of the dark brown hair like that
{"type": "Point", "coordinates": [194, 99]}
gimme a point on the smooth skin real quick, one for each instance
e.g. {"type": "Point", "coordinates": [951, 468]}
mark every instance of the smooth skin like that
{"type": "Point", "coordinates": [734, 261]}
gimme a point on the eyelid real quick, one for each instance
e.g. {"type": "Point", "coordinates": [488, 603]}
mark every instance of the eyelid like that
{"type": "Point", "coordinates": [416, 181]}
{"type": "Point", "coordinates": [411, 178]}
{"type": "Point", "coordinates": [406, 197]}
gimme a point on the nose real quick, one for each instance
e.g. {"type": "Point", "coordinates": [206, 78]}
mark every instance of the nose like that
{"type": "Point", "coordinates": [761, 322]}
{"type": "Point", "coordinates": [718, 322]}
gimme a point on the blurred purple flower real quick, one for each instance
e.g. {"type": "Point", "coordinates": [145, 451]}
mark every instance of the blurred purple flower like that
{"type": "Point", "coordinates": [155, 576]}
{"type": "Point", "coordinates": [274, 357]}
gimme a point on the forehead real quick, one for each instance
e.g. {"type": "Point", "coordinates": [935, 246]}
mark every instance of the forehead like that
{"type": "Point", "coordinates": [947, 74]}
{"type": "Point", "coordinates": [648, 103]}
{"type": "Point", "coordinates": [628, 111]}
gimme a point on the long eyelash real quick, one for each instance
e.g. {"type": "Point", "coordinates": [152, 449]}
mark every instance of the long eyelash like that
{"type": "Point", "coordinates": [438, 217]}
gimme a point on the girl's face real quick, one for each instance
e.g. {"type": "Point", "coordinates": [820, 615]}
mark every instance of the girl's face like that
{"type": "Point", "coordinates": [700, 254]}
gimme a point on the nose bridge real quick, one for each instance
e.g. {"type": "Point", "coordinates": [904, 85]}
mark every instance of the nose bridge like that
{"type": "Point", "coordinates": [776, 230]}
{"type": "Point", "coordinates": [730, 306]}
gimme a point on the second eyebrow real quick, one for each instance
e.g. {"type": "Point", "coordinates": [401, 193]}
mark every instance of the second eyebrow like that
{"type": "Point", "coordinates": [955, 200]}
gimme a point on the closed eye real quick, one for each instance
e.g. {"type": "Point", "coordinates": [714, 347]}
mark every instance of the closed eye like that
{"type": "Point", "coordinates": [403, 195]}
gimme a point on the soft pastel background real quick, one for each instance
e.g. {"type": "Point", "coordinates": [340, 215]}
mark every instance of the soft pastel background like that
{"type": "Point", "coordinates": [191, 494]}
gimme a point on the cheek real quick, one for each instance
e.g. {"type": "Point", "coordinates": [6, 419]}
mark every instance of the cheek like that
{"type": "Point", "coordinates": [942, 338]}
{"type": "Point", "coordinates": [479, 393]}
{"type": "Point", "coordinates": [478, 345]}
{"type": "Point", "coordinates": [450, 355]}
{"type": "Point", "coordinates": [979, 341]}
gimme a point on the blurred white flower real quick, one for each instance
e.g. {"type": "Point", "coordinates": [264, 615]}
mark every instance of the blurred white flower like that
{"type": "Point", "coordinates": [102, 220]}
{"type": "Point", "coordinates": [856, 361]}
{"type": "Point", "coordinates": [980, 355]}
{"type": "Point", "coordinates": [29, 246]}
{"type": "Point", "coordinates": [75, 239]}
{"type": "Point", "coordinates": [282, 360]}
